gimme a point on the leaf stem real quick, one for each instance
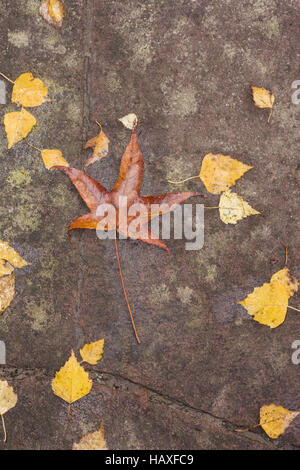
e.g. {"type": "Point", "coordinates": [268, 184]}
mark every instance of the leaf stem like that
{"type": "Point", "coordinates": [270, 115]}
{"type": "Point", "coordinates": [183, 181]}
{"type": "Point", "coordinates": [6, 78]}
{"type": "Point", "coordinates": [293, 308]}
{"type": "Point", "coordinates": [125, 293]}
{"type": "Point", "coordinates": [100, 125]}
{"type": "Point", "coordinates": [33, 146]}
{"type": "Point", "coordinates": [4, 428]}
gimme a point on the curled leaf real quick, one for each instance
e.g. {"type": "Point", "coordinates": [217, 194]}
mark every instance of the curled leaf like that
{"type": "Point", "coordinates": [233, 208]}
{"type": "Point", "coordinates": [275, 419]}
{"type": "Point", "coordinates": [29, 91]}
{"type": "Point", "coordinates": [18, 125]}
{"type": "Point", "coordinates": [129, 121]}
{"type": "Point", "coordinates": [92, 352]}
{"type": "Point", "coordinates": [100, 145]}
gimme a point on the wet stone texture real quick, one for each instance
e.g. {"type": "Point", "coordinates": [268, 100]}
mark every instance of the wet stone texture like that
{"type": "Point", "coordinates": [204, 367]}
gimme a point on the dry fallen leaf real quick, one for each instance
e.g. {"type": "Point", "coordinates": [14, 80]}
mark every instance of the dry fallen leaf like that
{"type": "Point", "coordinates": [71, 382]}
{"type": "Point", "coordinates": [18, 125]}
{"type": "Point", "coordinates": [8, 399]}
{"type": "Point", "coordinates": [128, 184]}
{"type": "Point", "coordinates": [100, 145]}
{"type": "Point", "coordinates": [93, 441]}
{"type": "Point", "coordinates": [233, 208]}
{"type": "Point", "coordinates": [263, 98]}
{"type": "Point", "coordinates": [53, 157]}
{"type": "Point", "coordinates": [129, 121]}
{"type": "Point", "coordinates": [275, 419]}
{"type": "Point", "coordinates": [53, 12]}
{"type": "Point", "coordinates": [7, 291]}
{"type": "Point", "coordinates": [92, 352]}
{"type": "Point", "coordinates": [219, 172]}
{"type": "Point", "coordinates": [29, 91]}
{"type": "Point", "coordinates": [268, 304]}
{"type": "Point", "coordinates": [7, 253]}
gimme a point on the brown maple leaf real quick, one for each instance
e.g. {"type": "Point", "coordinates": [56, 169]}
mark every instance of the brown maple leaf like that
{"type": "Point", "coordinates": [127, 186]}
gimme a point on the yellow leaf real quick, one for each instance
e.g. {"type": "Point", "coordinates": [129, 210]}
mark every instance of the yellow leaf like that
{"type": "Point", "coordinates": [18, 125]}
{"type": "Point", "coordinates": [53, 12]}
{"type": "Point", "coordinates": [93, 352]}
{"type": "Point", "coordinates": [8, 399]}
{"type": "Point", "coordinates": [268, 303]}
{"type": "Point", "coordinates": [72, 381]}
{"type": "Point", "coordinates": [263, 98]}
{"type": "Point", "coordinates": [275, 419]}
{"type": "Point", "coordinates": [7, 253]}
{"type": "Point", "coordinates": [100, 145]}
{"type": "Point", "coordinates": [233, 208]}
{"type": "Point", "coordinates": [29, 91]}
{"type": "Point", "coordinates": [219, 172]}
{"type": "Point", "coordinates": [93, 441]}
{"type": "Point", "coordinates": [53, 157]}
{"type": "Point", "coordinates": [7, 291]}
{"type": "Point", "coordinates": [129, 120]}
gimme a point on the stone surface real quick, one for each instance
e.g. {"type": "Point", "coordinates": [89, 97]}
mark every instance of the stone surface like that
{"type": "Point", "coordinates": [185, 68]}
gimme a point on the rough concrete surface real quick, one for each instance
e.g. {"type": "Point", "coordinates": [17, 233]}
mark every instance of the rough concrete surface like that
{"type": "Point", "coordinates": [204, 367]}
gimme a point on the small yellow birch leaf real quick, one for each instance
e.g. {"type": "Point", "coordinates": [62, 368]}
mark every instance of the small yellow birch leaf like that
{"type": "Point", "coordinates": [275, 419]}
{"type": "Point", "coordinates": [29, 91]}
{"type": "Point", "coordinates": [8, 400]}
{"type": "Point", "coordinates": [92, 352]}
{"type": "Point", "coordinates": [263, 98]}
{"type": "Point", "coordinates": [52, 157]}
{"type": "Point", "coordinates": [93, 441]}
{"type": "Point", "coordinates": [233, 208]}
{"type": "Point", "coordinates": [219, 172]}
{"type": "Point", "coordinates": [7, 253]}
{"type": "Point", "coordinates": [53, 12]}
{"type": "Point", "coordinates": [71, 381]}
{"type": "Point", "coordinates": [129, 120]}
{"type": "Point", "coordinates": [100, 145]}
{"type": "Point", "coordinates": [18, 125]}
{"type": "Point", "coordinates": [268, 303]}
{"type": "Point", "coordinates": [7, 291]}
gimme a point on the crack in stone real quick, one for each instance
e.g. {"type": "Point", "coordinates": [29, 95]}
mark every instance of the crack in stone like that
{"type": "Point", "coordinates": [123, 384]}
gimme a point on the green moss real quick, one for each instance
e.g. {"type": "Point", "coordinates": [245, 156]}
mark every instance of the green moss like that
{"type": "Point", "coordinates": [38, 314]}
{"type": "Point", "coordinates": [18, 178]}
